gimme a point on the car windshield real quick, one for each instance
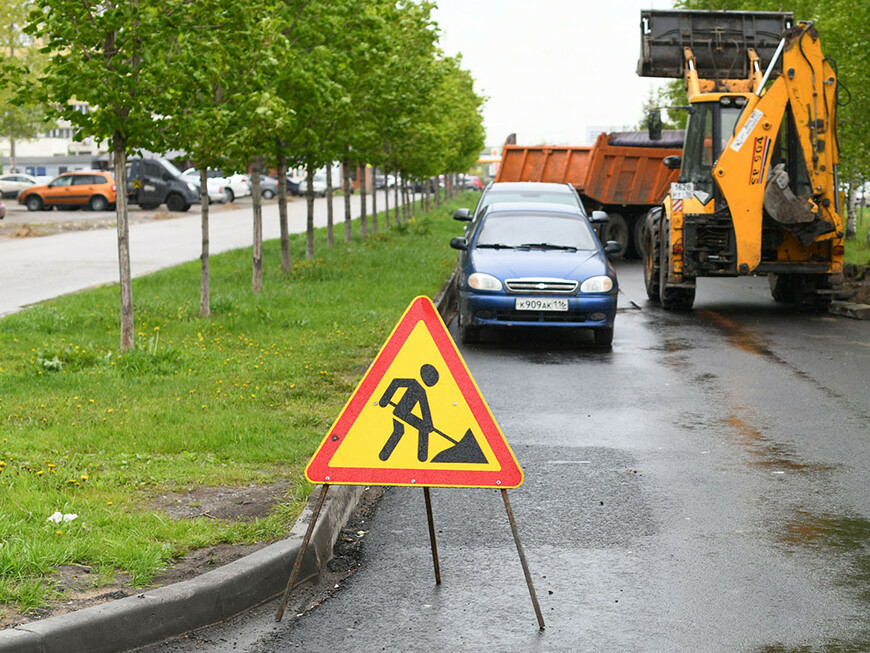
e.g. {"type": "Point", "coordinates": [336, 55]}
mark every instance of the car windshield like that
{"type": "Point", "coordinates": [170, 167]}
{"type": "Point", "coordinates": [536, 231]}
{"type": "Point", "coordinates": [537, 196]}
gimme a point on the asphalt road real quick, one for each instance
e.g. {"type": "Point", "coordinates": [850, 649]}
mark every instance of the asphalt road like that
{"type": "Point", "coordinates": [700, 487]}
{"type": "Point", "coordinates": [39, 268]}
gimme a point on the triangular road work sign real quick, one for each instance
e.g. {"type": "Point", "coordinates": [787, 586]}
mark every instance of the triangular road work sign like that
{"type": "Point", "coordinates": [416, 418]}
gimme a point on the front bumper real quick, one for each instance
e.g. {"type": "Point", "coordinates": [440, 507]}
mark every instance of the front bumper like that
{"type": "Point", "coordinates": [492, 309]}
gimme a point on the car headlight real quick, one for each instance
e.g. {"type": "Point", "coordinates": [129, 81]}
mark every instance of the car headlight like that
{"type": "Point", "coordinates": [483, 281]}
{"type": "Point", "coordinates": [192, 187]}
{"type": "Point", "coordinates": [601, 283]}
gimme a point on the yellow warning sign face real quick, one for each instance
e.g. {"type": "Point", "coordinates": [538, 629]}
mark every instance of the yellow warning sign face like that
{"type": "Point", "coordinates": [417, 418]}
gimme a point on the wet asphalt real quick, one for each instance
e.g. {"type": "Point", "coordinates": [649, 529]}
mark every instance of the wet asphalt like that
{"type": "Point", "coordinates": [700, 487]}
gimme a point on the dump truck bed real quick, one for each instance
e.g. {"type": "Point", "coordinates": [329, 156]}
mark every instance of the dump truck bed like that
{"type": "Point", "coordinates": [620, 169]}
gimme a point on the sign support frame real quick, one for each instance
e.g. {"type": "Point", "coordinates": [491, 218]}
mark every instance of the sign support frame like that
{"type": "Point", "coordinates": [431, 522]}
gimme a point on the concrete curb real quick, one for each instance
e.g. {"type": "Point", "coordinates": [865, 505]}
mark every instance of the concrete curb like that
{"type": "Point", "coordinates": [155, 615]}
{"type": "Point", "coordinates": [215, 596]}
{"type": "Point", "coordinates": [850, 309]}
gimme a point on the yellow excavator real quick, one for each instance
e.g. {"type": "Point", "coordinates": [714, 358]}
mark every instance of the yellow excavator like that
{"type": "Point", "coordinates": [757, 192]}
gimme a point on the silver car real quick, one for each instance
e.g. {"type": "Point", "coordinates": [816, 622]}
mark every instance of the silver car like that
{"type": "Point", "coordinates": [13, 183]}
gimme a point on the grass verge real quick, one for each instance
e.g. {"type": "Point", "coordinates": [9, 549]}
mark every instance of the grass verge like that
{"type": "Point", "coordinates": [240, 399]}
{"type": "Point", "coordinates": [857, 249]}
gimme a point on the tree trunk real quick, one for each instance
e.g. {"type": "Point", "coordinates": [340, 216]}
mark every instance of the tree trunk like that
{"type": "Point", "coordinates": [851, 209]}
{"type": "Point", "coordinates": [345, 176]}
{"type": "Point", "coordinates": [396, 196]}
{"type": "Point", "coordinates": [257, 271]}
{"type": "Point", "coordinates": [330, 238]}
{"type": "Point", "coordinates": [125, 280]}
{"type": "Point", "coordinates": [282, 214]}
{"type": "Point", "coordinates": [374, 199]}
{"type": "Point", "coordinates": [309, 223]}
{"type": "Point", "coordinates": [363, 201]}
{"type": "Point", "coordinates": [386, 197]}
{"type": "Point", "coordinates": [204, 259]}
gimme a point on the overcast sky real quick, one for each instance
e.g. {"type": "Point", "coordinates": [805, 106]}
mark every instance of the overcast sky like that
{"type": "Point", "coordinates": [552, 70]}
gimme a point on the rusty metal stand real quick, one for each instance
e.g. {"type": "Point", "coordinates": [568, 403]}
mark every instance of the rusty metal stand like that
{"type": "Point", "coordinates": [507, 505]}
{"type": "Point", "coordinates": [301, 555]}
{"type": "Point", "coordinates": [432, 535]}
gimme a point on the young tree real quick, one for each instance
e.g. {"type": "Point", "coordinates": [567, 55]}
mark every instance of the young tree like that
{"type": "Point", "coordinates": [114, 57]}
{"type": "Point", "coordinates": [21, 114]}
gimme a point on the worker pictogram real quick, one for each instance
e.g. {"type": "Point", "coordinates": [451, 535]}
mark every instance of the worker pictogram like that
{"type": "Point", "coordinates": [416, 418]}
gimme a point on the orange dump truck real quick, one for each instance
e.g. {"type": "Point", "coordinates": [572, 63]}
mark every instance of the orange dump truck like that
{"type": "Point", "coordinates": [621, 174]}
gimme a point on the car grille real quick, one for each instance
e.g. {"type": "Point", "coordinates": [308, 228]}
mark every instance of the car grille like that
{"type": "Point", "coordinates": [542, 286]}
{"type": "Point", "coordinates": [542, 316]}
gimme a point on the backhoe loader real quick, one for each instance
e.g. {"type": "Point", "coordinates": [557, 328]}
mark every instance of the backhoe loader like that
{"type": "Point", "coordinates": [757, 192]}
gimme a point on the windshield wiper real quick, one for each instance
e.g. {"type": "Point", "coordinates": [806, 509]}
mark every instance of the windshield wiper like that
{"type": "Point", "coordinates": [495, 246]}
{"type": "Point", "coordinates": [548, 246]}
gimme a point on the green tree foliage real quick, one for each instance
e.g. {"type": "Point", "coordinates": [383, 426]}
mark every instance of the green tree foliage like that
{"type": "Point", "coordinates": [116, 57]}
{"type": "Point", "coordinates": [21, 115]}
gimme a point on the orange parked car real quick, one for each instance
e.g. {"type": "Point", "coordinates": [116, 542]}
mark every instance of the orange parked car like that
{"type": "Point", "coordinates": [94, 189]}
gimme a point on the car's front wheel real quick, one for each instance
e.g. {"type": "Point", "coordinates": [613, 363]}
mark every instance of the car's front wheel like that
{"type": "Point", "coordinates": [468, 333]}
{"type": "Point", "coordinates": [33, 203]}
{"type": "Point", "coordinates": [603, 336]}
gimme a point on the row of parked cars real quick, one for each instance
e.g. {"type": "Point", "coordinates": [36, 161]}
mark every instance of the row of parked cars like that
{"type": "Point", "coordinates": [531, 257]}
{"type": "Point", "coordinates": [150, 182]}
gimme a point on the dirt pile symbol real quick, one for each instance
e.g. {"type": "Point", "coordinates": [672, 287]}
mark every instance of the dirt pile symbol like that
{"type": "Point", "coordinates": [464, 450]}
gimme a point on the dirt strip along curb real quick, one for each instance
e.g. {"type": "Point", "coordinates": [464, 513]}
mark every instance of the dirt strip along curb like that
{"type": "Point", "coordinates": [158, 614]}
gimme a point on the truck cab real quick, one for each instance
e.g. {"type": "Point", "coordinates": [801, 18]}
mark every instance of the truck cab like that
{"type": "Point", "coordinates": [152, 182]}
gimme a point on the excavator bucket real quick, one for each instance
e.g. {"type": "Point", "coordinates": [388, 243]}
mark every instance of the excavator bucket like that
{"type": "Point", "coordinates": [718, 39]}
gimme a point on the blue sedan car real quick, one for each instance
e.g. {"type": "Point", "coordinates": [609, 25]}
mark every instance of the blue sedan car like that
{"type": "Point", "coordinates": [535, 265]}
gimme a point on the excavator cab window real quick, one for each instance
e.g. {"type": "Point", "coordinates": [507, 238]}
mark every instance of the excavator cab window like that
{"type": "Point", "coordinates": [711, 125]}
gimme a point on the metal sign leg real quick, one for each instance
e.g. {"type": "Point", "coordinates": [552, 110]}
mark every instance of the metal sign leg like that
{"type": "Point", "coordinates": [432, 535]}
{"type": "Point", "coordinates": [507, 505]}
{"type": "Point", "coordinates": [302, 551]}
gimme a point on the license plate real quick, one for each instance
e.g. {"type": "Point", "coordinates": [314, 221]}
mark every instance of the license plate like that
{"type": "Point", "coordinates": [541, 304]}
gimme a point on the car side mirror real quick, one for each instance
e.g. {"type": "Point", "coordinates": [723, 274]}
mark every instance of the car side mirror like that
{"type": "Point", "coordinates": [612, 247]}
{"type": "Point", "coordinates": [654, 125]}
{"type": "Point", "coordinates": [458, 243]}
{"type": "Point", "coordinates": [599, 217]}
{"type": "Point", "coordinates": [673, 162]}
{"type": "Point", "coordinates": [462, 214]}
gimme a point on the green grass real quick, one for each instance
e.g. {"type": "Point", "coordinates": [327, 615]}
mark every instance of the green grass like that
{"type": "Point", "coordinates": [244, 397]}
{"type": "Point", "coordinates": [857, 249]}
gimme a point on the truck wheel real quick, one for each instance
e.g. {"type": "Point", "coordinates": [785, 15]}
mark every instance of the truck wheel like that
{"type": "Point", "coordinates": [651, 263]}
{"type": "Point", "coordinates": [617, 229]}
{"type": "Point", "coordinates": [639, 236]}
{"type": "Point", "coordinates": [782, 287]}
{"type": "Point", "coordinates": [670, 298]}
{"type": "Point", "coordinates": [811, 295]}
{"type": "Point", "coordinates": [175, 202]}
